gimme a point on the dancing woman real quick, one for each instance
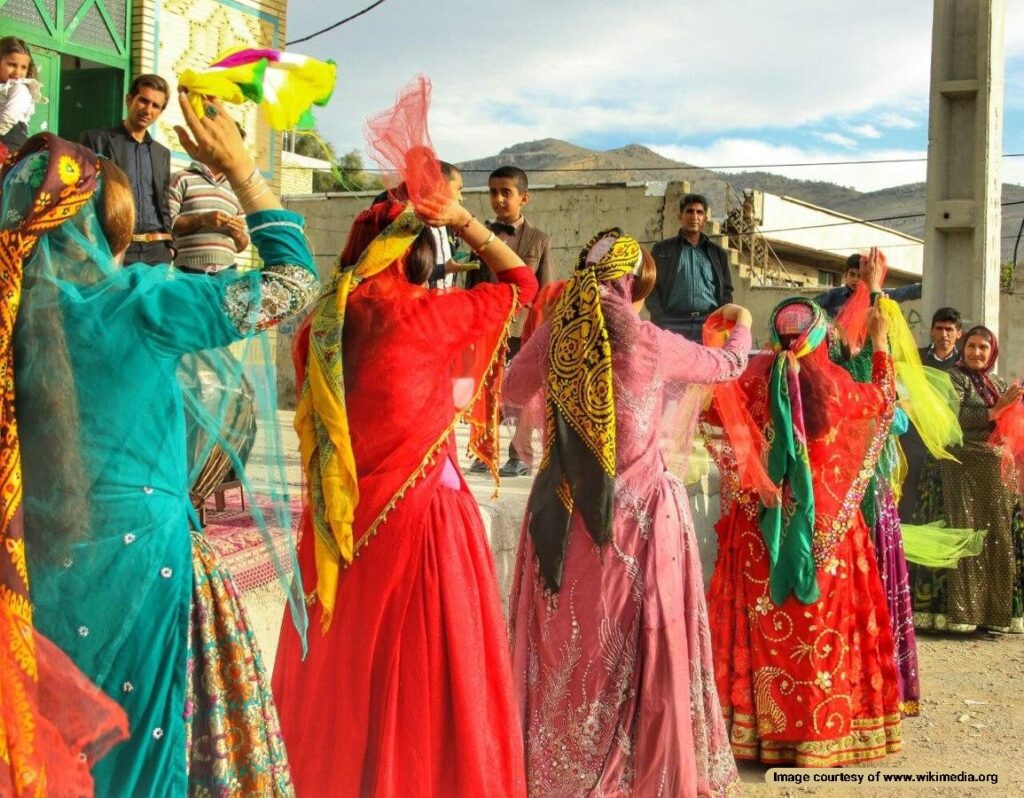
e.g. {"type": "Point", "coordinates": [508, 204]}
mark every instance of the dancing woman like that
{"type": "Point", "coordinates": [136, 600]}
{"type": "Point", "coordinates": [611, 650]}
{"type": "Point", "coordinates": [407, 689]}
{"type": "Point", "coordinates": [801, 635]}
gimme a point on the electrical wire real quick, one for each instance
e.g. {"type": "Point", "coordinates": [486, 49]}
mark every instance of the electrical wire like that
{"type": "Point", "coordinates": [336, 24]}
{"type": "Point", "coordinates": [714, 167]}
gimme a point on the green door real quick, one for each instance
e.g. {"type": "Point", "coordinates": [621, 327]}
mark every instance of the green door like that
{"type": "Point", "coordinates": [90, 98]}
{"type": "Point", "coordinates": [45, 116]}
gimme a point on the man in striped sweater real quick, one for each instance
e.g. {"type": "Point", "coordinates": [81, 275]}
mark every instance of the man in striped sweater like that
{"type": "Point", "coordinates": [208, 223]}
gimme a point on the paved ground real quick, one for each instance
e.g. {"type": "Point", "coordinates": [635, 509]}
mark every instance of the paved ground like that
{"type": "Point", "coordinates": [972, 712]}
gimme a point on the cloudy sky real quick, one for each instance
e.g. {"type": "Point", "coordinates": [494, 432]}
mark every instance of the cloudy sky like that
{"type": "Point", "coordinates": [735, 82]}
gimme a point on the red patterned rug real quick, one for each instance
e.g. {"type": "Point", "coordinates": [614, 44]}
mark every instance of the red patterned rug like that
{"type": "Point", "coordinates": [239, 544]}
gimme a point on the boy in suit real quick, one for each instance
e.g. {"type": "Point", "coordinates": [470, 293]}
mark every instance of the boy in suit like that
{"type": "Point", "coordinates": [509, 190]}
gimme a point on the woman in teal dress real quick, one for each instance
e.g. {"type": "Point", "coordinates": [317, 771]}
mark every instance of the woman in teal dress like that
{"type": "Point", "coordinates": [136, 600]}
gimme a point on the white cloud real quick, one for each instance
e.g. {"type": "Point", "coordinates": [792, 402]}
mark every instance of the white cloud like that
{"type": "Point", "coordinates": [838, 139]}
{"type": "Point", "coordinates": [661, 72]}
{"type": "Point", "coordinates": [898, 121]}
{"type": "Point", "coordinates": [866, 131]}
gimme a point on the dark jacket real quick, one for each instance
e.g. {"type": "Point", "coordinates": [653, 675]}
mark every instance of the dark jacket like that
{"type": "Point", "coordinates": [666, 258]}
{"type": "Point", "coordinates": [110, 144]}
{"type": "Point", "coordinates": [832, 301]}
{"type": "Point", "coordinates": [533, 246]}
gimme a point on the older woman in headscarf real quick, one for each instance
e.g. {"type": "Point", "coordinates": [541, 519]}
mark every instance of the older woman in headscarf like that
{"type": "Point", "coordinates": [407, 688]}
{"type": "Point", "coordinates": [801, 634]}
{"type": "Point", "coordinates": [983, 591]}
{"type": "Point", "coordinates": [121, 584]}
{"type": "Point", "coordinates": [609, 629]}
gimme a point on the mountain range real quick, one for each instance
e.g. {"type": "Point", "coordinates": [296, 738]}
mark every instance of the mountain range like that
{"type": "Point", "coordinates": [556, 162]}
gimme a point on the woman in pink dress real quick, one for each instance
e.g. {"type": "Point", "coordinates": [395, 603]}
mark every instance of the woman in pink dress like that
{"type": "Point", "coordinates": [611, 647]}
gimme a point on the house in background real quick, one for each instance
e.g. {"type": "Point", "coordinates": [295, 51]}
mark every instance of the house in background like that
{"type": "Point", "coordinates": [88, 51]}
{"type": "Point", "coordinates": [784, 241]}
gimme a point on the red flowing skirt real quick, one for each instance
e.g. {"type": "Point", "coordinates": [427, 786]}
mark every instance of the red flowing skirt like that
{"type": "Point", "coordinates": [410, 691]}
{"type": "Point", "coordinates": [813, 684]}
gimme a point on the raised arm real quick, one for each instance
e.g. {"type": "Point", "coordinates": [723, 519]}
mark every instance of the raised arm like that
{"type": "Point", "coordinates": [683, 361]}
{"type": "Point", "coordinates": [225, 309]}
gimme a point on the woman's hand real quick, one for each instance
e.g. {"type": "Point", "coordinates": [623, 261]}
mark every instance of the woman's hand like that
{"type": "Point", "coordinates": [443, 212]}
{"type": "Point", "coordinates": [871, 268]}
{"type": "Point", "coordinates": [737, 314]}
{"type": "Point", "coordinates": [1011, 395]}
{"type": "Point", "coordinates": [214, 140]}
{"type": "Point", "coordinates": [878, 329]}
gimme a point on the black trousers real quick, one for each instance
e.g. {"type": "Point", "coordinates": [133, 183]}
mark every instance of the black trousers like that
{"type": "Point", "coordinates": [152, 252]}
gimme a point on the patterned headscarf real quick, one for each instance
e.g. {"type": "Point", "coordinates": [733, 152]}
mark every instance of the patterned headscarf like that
{"type": "Point", "coordinates": [579, 463]}
{"type": "Point", "coordinates": [798, 327]}
{"type": "Point", "coordinates": [321, 419]}
{"type": "Point", "coordinates": [979, 377]}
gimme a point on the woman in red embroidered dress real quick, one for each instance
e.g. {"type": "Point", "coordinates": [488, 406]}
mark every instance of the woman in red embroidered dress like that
{"type": "Point", "coordinates": [409, 690]}
{"type": "Point", "coordinates": [803, 647]}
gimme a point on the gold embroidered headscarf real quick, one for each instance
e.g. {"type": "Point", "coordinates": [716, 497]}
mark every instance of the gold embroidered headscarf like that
{"type": "Point", "coordinates": [321, 420]}
{"type": "Point", "coordinates": [578, 467]}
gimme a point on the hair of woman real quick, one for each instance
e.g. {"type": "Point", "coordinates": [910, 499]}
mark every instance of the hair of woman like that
{"type": "Point", "coordinates": [643, 284]}
{"type": "Point", "coordinates": [117, 207]}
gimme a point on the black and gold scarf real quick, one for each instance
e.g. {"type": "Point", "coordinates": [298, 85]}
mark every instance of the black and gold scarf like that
{"type": "Point", "coordinates": [578, 468]}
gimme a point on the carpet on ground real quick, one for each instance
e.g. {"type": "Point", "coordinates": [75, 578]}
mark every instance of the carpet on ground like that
{"type": "Point", "coordinates": [239, 543]}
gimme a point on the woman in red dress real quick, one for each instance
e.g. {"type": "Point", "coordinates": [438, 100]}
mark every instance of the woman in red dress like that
{"type": "Point", "coordinates": [803, 647]}
{"type": "Point", "coordinates": [408, 691]}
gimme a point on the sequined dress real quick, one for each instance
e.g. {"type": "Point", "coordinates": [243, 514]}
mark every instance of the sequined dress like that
{"type": "Point", "coordinates": [613, 674]}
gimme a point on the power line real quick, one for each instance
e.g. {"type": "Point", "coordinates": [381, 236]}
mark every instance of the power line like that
{"type": "Point", "coordinates": [690, 167]}
{"type": "Point", "coordinates": [336, 24]}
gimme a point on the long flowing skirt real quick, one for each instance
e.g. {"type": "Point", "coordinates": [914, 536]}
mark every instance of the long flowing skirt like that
{"type": "Point", "coordinates": [409, 693]}
{"type": "Point", "coordinates": [813, 684]}
{"type": "Point", "coordinates": [892, 566]}
{"type": "Point", "coordinates": [233, 737]}
{"type": "Point", "coordinates": [614, 674]}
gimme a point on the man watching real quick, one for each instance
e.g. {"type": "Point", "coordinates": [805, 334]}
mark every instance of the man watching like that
{"type": "Point", "coordinates": [942, 354]}
{"type": "Point", "coordinates": [693, 278]}
{"type": "Point", "coordinates": [147, 164]}
{"type": "Point", "coordinates": [946, 330]}
{"type": "Point", "coordinates": [832, 301]}
{"type": "Point", "coordinates": [208, 221]}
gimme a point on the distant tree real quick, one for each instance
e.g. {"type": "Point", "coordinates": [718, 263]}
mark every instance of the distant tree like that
{"type": "Point", "coordinates": [348, 172]}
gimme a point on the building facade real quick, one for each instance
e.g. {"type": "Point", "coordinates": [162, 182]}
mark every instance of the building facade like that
{"type": "Point", "coordinates": [88, 51]}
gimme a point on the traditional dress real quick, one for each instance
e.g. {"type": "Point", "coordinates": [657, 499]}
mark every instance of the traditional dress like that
{"type": "Point", "coordinates": [407, 691]}
{"type": "Point", "coordinates": [971, 494]}
{"type": "Point", "coordinates": [611, 649]}
{"type": "Point", "coordinates": [138, 604]}
{"type": "Point", "coordinates": [54, 723]}
{"type": "Point", "coordinates": [801, 636]}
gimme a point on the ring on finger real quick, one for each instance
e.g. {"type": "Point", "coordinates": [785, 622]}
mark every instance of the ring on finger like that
{"type": "Point", "coordinates": [211, 111]}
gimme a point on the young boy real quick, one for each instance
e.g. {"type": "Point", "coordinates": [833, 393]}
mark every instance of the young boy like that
{"type": "Point", "coordinates": [509, 193]}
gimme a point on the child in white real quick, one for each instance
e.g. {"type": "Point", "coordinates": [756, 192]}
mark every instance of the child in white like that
{"type": "Point", "coordinates": [20, 92]}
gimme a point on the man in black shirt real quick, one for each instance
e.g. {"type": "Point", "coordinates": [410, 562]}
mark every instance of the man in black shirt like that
{"type": "Point", "coordinates": [147, 164]}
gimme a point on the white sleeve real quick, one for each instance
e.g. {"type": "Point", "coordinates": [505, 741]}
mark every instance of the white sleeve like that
{"type": "Point", "coordinates": [17, 108]}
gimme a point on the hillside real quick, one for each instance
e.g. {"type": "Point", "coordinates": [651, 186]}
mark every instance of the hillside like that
{"type": "Point", "coordinates": [552, 161]}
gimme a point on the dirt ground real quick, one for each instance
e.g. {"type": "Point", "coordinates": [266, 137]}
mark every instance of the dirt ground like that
{"type": "Point", "coordinates": [972, 720]}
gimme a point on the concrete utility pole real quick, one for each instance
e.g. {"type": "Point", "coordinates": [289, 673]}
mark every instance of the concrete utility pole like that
{"type": "Point", "coordinates": [965, 129]}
